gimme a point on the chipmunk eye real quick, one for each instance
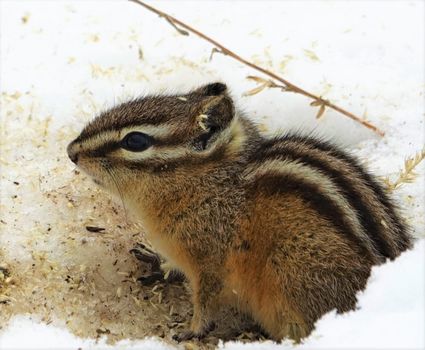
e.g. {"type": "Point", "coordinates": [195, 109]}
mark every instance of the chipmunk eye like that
{"type": "Point", "coordinates": [136, 142]}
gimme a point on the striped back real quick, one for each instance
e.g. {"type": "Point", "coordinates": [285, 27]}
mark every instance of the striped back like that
{"type": "Point", "coordinates": [337, 186]}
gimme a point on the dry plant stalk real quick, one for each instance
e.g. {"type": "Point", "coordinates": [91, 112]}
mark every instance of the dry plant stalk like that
{"type": "Point", "coordinates": [407, 175]}
{"type": "Point", "coordinates": [287, 86]}
{"type": "Point", "coordinates": [268, 83]}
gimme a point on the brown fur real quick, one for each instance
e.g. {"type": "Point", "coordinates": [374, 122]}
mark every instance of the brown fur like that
{"type": "Point", "coordinates": [267, 244]}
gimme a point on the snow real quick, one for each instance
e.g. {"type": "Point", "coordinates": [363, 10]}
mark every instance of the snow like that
{"type": "Point", "coordinates": [390, 316]}
{"type": "Point", "coordinates": [76, 58]}
{"type": "Point", "coordinates": [41, 336]}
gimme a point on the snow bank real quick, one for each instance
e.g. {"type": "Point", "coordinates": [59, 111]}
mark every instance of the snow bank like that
{"type": "Point", "coordinates": [389, 316]}
{"type": "Point", "coordinates": [25, 333]}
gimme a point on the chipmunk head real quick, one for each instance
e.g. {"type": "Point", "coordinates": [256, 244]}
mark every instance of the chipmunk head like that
{"type": "Point", "coordinates": [157, 133]}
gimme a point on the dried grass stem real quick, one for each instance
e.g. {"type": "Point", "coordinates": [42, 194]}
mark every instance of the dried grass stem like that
{"type": "Point", "coordinates": [407, 175]}
{"type": "Point", "coordinates": [288, 86]}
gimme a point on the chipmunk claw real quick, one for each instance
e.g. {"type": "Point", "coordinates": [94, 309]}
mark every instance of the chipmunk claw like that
{"type": "Point", "coordinates": [146, 255]}
{"type": "Point", "coordinates": [151, 279]}
{"type": "Point", "coordinates": [189, 335]}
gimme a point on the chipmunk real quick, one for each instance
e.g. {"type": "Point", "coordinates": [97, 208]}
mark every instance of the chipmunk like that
{"type": "Point", "coordinates": [284, 229]}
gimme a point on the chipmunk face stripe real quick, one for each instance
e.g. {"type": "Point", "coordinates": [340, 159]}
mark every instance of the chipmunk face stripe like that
{"type": "Point", "coordinates": [317, 184]}
{"type": "Point", "coordinates": [104, 149]}
{"type": "Point", "coordinates": [156, 152]}
{"type": "Point", "coordinates": [359, 194]}
{"type": "Point", "coordinates": [168, 142]}
{"type": "Point", "coordinates": [226, 144]}
{"type": "Point", "coordinates": [91, 143]}
{"type": "Point", "coordinates": [400, 236]}
{"type": "Point", "coordinates": [160, 165]}
{"type": "Point", "coordinates": [148, 111]}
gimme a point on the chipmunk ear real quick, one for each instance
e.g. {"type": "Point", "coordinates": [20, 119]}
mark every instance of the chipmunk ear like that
{"type": "Point", "coordinates": [216, 106]}
{"type": "Point", "coordinates": [216, 114]}
{"type": "Point", "coordinates": [212, 89]}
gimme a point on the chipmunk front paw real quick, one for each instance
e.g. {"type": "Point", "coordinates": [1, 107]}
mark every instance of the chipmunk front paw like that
{"type": "Point", "coordinates": [146, 255]}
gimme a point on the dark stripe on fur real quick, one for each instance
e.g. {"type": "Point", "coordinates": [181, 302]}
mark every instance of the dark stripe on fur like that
{"type": "Point", "coordinates": [159, 166]}
{"type": "Point", "coordinates": [147, 110]}
{"type": "Point", "coordinates": [104, 149]}
{"type": "Point", "coordinates": [402, 238]}
{"type": "Point", "coordinates": [280, 183]}
{"type": "Point", "coordinates": [370, 225]}
{"type": "Point", "coordinates": [111, 146]}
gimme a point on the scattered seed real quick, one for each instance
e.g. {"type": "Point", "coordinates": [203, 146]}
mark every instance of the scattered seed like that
{"type": "Point", "coordinates": [103, 331]}
{"type": "Point", "coordinates": [94, 229]}
{"type": "Point", "coordinates": [137, 301]}
{"type": "Point", "coordinates": [140, 54]}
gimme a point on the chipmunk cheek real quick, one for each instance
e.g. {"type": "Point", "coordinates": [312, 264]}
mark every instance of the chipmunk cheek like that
{"type": "Point", "coordinates": [91, 167]}
{"type": "Point", "coordinates": [105, 163]}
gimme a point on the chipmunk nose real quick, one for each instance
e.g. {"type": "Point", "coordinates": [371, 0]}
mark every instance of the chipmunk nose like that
{"type": "Point", "coordinates": [74, 158]}
{"type": "Point", "coordinates": [72, 154]}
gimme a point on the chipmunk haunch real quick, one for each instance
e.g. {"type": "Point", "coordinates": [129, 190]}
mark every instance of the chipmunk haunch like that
{"type": "Point", "coordinates": [284, 228]}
